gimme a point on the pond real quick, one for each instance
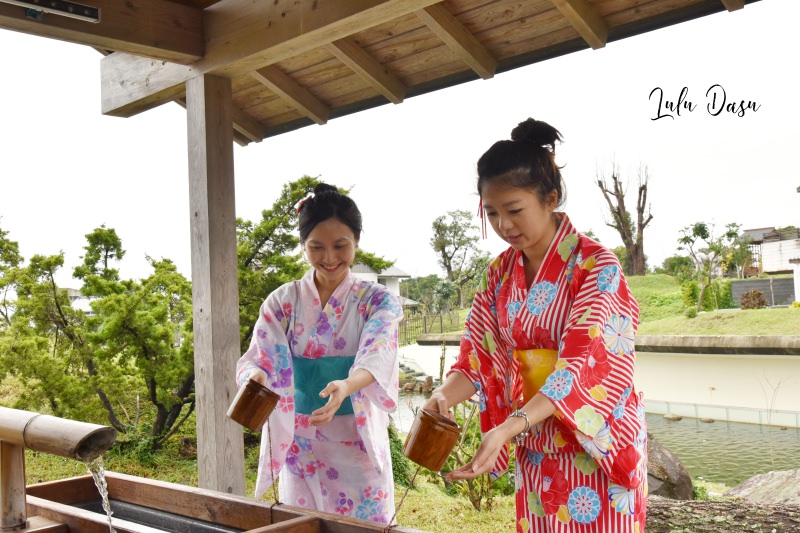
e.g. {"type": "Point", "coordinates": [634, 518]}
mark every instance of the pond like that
{"type": "Point", "coordinates": [719, 452]}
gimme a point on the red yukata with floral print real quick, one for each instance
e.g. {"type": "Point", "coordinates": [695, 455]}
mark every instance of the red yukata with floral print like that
{"type": "Point", "coordinates": [584, 468]}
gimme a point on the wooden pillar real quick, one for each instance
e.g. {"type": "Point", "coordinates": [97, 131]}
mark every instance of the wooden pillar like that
{"type": "Point", "coordinates": [215, 298]}
{"type": "Point", "coordinates": [13, 512]}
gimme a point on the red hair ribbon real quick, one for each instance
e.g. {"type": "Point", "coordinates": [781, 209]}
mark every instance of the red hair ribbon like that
{"type": "Point", "coordinates": [483, 218]}
{"type": "Point", "coordinates": [302, 202]}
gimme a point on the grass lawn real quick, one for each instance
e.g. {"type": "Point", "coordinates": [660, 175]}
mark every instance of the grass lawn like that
{"type": "Point", "coordinates": [782, 321]}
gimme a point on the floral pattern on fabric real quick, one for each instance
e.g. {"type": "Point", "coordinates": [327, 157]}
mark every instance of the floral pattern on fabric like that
{"type": "Point", "coordinates": [360, 318]}
{"type": "Point", "coordinates": [578, 303]}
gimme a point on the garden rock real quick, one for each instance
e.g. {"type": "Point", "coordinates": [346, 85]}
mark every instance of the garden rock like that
{"type": "Point", "coordinates": [666, 475]}
{"type": "Point", "coordinates": [773, 487]}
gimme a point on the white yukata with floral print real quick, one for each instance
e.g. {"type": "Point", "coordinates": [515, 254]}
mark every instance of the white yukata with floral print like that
{"type": "Point", "coordinates": [344, 466]}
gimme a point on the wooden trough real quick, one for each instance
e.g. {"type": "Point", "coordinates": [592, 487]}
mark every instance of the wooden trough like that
{"type": "Point", "coordinates": [141, 505]}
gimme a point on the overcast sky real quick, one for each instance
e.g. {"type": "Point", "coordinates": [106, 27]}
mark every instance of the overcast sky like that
{"type": "Point", "coordinates": [65, 169]}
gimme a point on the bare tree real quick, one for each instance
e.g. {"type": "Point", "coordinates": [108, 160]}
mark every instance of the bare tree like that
{"type": "Point", "coordinates": [632, 235]}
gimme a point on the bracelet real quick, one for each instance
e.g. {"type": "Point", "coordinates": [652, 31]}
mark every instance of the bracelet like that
{"type": "Point", "coordinates": [519, 413]}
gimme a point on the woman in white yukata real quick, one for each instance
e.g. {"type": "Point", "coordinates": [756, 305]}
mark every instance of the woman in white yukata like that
{"type": "Point", "coordinates": [327, 345]}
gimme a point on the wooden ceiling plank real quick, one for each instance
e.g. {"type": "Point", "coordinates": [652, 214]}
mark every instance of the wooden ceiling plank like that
{"type": "Point", "coordinates": [291, 91]}
{"type": "Point", "coordinates": [585, 20]}
{"type": "Point", "coordinates": [363, 64]}
{"type": "Point", "coordinates": [733, 5]}
{"type": "Point", "coordinates": [243, 36]}
{"type": "Point", "coordinates": [441, 22]}
{"type": "Point", "coordinates": [152, 28]}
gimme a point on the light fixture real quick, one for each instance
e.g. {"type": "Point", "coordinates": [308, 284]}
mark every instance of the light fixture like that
{"type": "Point", "coordinates": [59, 7]}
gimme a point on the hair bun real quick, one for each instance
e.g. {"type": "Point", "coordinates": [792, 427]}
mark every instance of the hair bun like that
{"type": "Point", "coordinates": [537, 133]}
{"type": "Point", "coordinates": [321, 188]}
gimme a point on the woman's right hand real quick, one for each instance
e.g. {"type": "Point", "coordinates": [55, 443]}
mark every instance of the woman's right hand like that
{"type": "Point", "coordinates": [259, 376]}
{"type": "Point", "coordinates": [438, 403]}
{"type": "Point", "coordinates": [455, 389]}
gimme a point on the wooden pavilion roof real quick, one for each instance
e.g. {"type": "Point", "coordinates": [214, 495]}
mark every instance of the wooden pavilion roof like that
{"type": "Point", "coordinates": [294, 63]}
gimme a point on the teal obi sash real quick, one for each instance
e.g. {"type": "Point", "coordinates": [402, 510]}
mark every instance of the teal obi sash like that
{"type": "Point", "coordinates": [313, 375]}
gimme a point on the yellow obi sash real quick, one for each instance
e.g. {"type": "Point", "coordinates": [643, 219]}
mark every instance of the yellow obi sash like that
{"type": "Point", "coordinates": [534, 367]}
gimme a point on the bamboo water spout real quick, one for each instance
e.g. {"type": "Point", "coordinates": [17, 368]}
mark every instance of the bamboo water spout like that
{"type": "Point", "coordinates": [43, 433]}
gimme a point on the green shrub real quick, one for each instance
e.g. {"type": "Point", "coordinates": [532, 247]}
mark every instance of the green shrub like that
{"type": "Point", "coordinates": [795, 305]}
{"type": "Point", "coordinates": [753, 299]}
{"type": "Point", "coordinates": [690, 292]}
{"type": "Point", "coordinates": [717, 296]}
{"type": "Point", "coordinates": [723, 295]}
{"type": "Point", "coordinates": [691, 312]}
{"type": "Point", "coordinates": [700, 493]}
{"type": "Point", "coordinates": [402, 469]}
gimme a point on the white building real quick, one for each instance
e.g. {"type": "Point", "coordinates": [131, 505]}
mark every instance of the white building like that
{"type": "Point", "coordinates": [778, 249]}
{"type": "Point", "coordinates": [390, 277]}
{"type": "Point", "coordinates": [80, 302]}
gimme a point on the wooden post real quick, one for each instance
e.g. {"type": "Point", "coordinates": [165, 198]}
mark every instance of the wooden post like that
{"type": "Point", "coordinates": [215, 298]}
{"type": "Point", "coordinates": [13, 513]}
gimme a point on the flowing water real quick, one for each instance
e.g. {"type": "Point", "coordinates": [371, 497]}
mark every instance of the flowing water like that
{"type": "Point", "coordinates": [720, 452]}
{"type": "Point", "coordinates": [95, 468]}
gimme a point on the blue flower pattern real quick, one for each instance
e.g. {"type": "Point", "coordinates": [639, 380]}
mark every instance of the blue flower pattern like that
{"type": "Point", "coordinates": [619, 409]}
{"type": "Point", "coordinates": [540, 296]}
{"type": "Point", "coordinates": [584, 505]}
{"type": "Point", "coordinates": [573, 260]}
{"type": "Point", "coordinates": [608, 280]}
{"type": "Point", "coordinates": [558, 385]}
{"type": "Point", "coordinates": [535, 458]}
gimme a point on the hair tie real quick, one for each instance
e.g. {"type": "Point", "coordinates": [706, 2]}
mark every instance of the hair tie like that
{"type": "Point", "coordinates": [302, 202]}
{"type": "Point", "coordinates": [483, 217]}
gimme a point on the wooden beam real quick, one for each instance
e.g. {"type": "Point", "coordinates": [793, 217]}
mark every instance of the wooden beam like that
{"type": "Point", "coordinates": [123, 93]}
{"type": "Point", "coordinates": [301, 524]}
{"type": "Point", "coordinates": [163, 30]}
{"type": "Point", "coordinates": [215, 297]}
{"type": "Point", "coordinates": [245, 127]}
{"type": "Point", "coordinates": [293, 93]}
{"type": "Point", "coordinates": [366, 66]}
{"type": "Point", "coordinates": [240, 139]}
{"type": "Point", "coordinates": [441, 22]}
{"type": "Point", "coordinates": [585, 20]}
{"type": "Point", "coordinates": [733, 5]}
{"type": "Point", "coordinates": [244, 36]}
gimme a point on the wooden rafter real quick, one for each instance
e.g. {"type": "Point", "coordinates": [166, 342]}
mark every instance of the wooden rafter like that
{"type": "Point", "coordinates": [154, 28]}
{"type": "Point", "coordinates": [363, 64]}
{"type": "Point", "coordinates": [448, 28]}
{"type": "Point", "coordinates": [293, 93]}
{"type": "Point", "coordinates": [733, 5]}
{"type": "Point", "coordinates": [243, 36]}
{"type": "Point", "coordinates": [585, 20]}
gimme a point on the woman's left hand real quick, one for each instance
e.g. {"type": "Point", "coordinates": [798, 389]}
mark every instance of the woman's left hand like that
{"type": "Point", "coordinates": [484, 459]}
{"type": "Point", "coordinates": [336, 392]}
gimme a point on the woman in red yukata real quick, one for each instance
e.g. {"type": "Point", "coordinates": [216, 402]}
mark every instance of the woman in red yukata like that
{"type": "Point", "coordinates": [548, 351]}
